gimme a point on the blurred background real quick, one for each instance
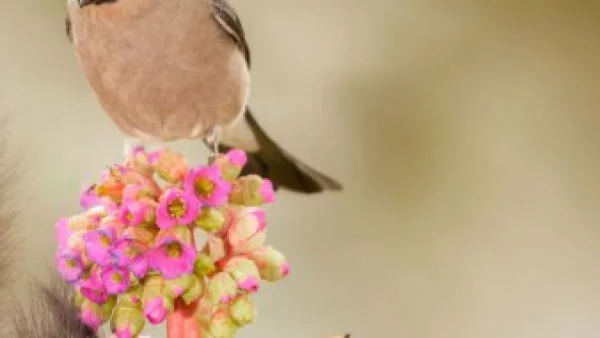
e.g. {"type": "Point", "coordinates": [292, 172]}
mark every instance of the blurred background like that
{"type": "Point", "coordinates": [465, 132]}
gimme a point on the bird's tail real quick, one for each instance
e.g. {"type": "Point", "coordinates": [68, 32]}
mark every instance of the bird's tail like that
{"type": "Point", "coordinates": [285, 171]}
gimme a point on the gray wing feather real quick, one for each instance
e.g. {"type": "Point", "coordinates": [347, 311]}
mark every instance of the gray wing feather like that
{"type": "Point", "coordinates": [227, 18]}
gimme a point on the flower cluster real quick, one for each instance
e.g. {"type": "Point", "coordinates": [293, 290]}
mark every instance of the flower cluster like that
{"type": "Point", "coordinates": [131, 255]}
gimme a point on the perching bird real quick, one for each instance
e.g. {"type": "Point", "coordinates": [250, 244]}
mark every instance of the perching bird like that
{"type": "Point", "coordinates": [167, 70]}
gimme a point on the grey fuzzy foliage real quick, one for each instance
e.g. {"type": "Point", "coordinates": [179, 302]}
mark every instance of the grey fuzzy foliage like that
{"type": "Point", "coordinates": [49, 311]}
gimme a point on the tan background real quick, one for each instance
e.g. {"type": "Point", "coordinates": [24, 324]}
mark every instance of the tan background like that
{"type": "Point", "coordinates": [466, 134]}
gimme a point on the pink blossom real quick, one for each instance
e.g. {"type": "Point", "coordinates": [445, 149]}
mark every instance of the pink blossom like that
{"type": "Point", "coordinates": [93, 289]}
{"type": "Point", "coordinates": [70, 265]}
{"type": "Point", "coordinates": [126, 254]}
{"type": "Point", "coordinates": [172, 256]}
{"type": "Point", "coordinates": [92, 317]}
{"type": "Point", "coordinates": [208, 185]}
{"type": "Point", "coordinates": [115, 279]}
{"type": "Point", "coordinates": [134, 213]}
{"type": "Point", "coordinates": [155, 310]}
{"type": "Point", "coordinates": [98, 244]}
{"type": "Point", "coordinates": [176, 208]}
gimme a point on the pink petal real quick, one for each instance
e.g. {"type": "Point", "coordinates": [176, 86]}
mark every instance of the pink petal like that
{"type": "Point", "coordinates": [267, 191]}
{"type": "Point", "coordinates": [155, 310]}
{"type": "Point", "coordinates": [113, 287]}
{"type": "Point", "coordinates": [250, 284]}
{"type": "Point", "coordinates": [237, 157]}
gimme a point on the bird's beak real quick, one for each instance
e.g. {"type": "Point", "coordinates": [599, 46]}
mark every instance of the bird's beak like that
{"type": "Point", "coordinates": [83, 3]}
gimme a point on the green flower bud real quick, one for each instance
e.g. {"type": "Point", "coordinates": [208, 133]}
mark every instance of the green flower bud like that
{"type": "Point", "coordinates": [243, 310]}
{"type": "Point", "coordinates": [222, 326]}
{"type": "Point", "coordinates": [271, 263]}
{"type": "Point", "coordinates": [245, 273]}
{"type": "Point", "coordinates": [204, 265]}
{"type": "Point", "coordinates": [222, 288]}
{"type": "Point", "coordinates": [176, 287]}
{"type": "Point", "coordinates": [194, 291]}
{"type": "Point", "coordinates": [210, 219]}
{"type": "Point", "coordinates": [127, 321]}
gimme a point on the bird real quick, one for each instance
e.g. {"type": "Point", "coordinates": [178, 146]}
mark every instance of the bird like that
{"type": "Point", "coordinates": [167, 70]}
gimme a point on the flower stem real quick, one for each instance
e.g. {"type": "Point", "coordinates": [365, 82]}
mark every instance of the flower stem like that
{"type": "Point", "coordinates": [182, 322]}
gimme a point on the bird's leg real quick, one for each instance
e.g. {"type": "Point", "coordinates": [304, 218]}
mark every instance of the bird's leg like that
{"type": "Point", "coordinates": [213, 141]}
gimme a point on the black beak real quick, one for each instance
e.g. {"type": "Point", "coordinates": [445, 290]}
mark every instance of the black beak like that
{"type": "Point", "coordinates": [83, 3]}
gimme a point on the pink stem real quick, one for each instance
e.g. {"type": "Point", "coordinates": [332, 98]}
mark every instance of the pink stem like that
{"type": "Point", "coordinates": [182, 322]}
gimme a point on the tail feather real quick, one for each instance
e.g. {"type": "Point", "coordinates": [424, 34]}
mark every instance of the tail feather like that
{"type": "Point", "coordinates": [285, 171]}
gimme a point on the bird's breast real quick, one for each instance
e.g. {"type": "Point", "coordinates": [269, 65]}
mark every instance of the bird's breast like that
{"type": "Point", "coordinates": [170, 74]}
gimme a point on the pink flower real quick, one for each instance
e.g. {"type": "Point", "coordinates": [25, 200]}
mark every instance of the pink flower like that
{"type": "Point", "coordinates": [115, 279]}
{"type": "Point", "coordinates": [155, 310]}
{"type": "Point", "coordinates": [92, 317]}
{"type": "Point", "coordinates": [98, 244]}
{"type": "Point", "coordinates": [208, 185]}
{"type": "Point", "coordinates": [173, 256]}
{"type": "Point", "coordinates": [93, 289]}
{"type": "Point", "coordinates": [134, 213]}
{"type": "Point", "coordinates": [70, 266]}
{"type": "Point", "coordinates": [125, 254]}
{"type": "Point", "coordinates": [176, 208]}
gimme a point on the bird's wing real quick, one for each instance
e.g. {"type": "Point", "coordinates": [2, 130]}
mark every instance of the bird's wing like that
{"type": "Point", "coordinates": [227, 18]}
